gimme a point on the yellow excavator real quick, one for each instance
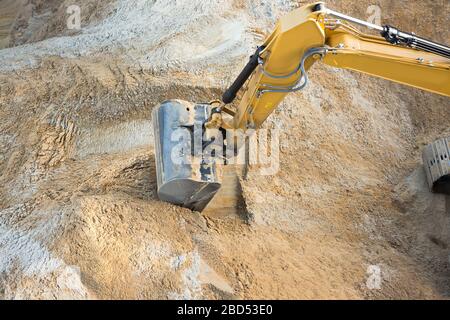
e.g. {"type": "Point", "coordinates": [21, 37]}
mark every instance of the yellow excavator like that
{"type": "Point", "coordinates": [192, 140]}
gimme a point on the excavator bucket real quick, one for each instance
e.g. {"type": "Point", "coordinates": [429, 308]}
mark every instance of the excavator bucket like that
{"type": "Point", "coordinates": [185, 175]}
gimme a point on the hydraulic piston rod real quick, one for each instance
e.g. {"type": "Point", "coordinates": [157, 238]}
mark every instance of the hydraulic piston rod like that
{"type": "Point", "coordinates": [392, 34]}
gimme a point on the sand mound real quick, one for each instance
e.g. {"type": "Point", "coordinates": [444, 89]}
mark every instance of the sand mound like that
{"type": "Point", "coordinates": [79, 216]}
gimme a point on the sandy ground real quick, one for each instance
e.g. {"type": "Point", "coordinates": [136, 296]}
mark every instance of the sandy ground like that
{"type": "Point", "coordinates": [79, 215]}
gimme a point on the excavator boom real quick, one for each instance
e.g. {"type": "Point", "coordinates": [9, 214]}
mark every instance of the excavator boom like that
{"type": "Point", "coordinates": [313, 33]}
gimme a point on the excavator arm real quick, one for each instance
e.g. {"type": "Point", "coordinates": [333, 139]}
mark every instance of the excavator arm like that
{"type": "Point", "coordinates": [313, 33]}
{"type": "Point", "coordinates": [184, 131]}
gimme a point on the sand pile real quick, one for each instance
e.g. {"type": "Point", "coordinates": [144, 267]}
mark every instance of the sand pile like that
{"type": "Point", "coordinates": [79, 216]}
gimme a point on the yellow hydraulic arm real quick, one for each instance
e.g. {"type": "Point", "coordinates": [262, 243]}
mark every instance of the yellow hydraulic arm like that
{"type": "Point", "coordinates": [314, 33]}
{"type": "Point", "coordinates": [189, 173]}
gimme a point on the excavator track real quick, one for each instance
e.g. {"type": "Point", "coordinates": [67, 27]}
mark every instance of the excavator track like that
{"type": "Point", "coordinates": [436, 159]}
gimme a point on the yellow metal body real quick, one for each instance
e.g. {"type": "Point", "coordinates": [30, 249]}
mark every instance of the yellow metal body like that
{"type": "Point", "coordinates": [303, 29]}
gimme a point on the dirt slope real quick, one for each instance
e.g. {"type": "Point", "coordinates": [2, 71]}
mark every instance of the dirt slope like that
{"type": "Point", "coordinates": [79, 216]}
